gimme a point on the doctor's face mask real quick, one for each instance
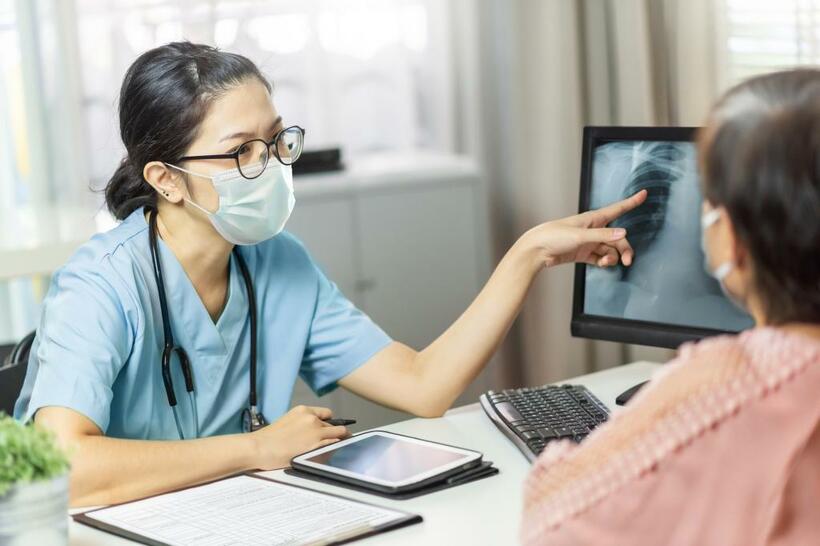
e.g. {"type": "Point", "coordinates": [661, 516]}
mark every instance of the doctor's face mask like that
{"type": "Point", "coordinates": [250, 210]}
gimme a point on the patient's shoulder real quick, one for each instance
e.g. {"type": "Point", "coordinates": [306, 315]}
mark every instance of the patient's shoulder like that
{"type": "Point", "coordinates": [705, 385]}
{"type": "Point", "coordinates": [747, 365]}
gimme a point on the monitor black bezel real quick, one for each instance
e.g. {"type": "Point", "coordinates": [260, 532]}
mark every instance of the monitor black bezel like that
{"type": "Point", "coordinates": [638, 332]}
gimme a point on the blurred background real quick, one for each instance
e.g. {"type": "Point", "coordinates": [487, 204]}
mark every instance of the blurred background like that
{"type": "Point", "coordinates": [458, 122]}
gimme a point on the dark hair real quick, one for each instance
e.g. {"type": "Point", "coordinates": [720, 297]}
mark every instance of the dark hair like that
{"type": "Point", "coordinates": [760, 160]}
{"type": "Point", "coordinates": [163, 99]}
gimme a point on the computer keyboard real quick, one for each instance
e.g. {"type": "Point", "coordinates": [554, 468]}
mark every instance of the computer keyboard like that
{"type": "Point", "coordinates": [533, 417]}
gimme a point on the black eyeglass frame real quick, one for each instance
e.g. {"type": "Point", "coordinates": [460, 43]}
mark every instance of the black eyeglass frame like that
{"type": "Point", "coordinates": [273, 144]}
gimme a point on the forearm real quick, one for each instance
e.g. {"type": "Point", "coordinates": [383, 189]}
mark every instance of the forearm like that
{"type": "Point", "coordinates": [448, 365]}
{"type": "Point", "coordinates": [426, 383]}
{"type": "Point", "coordinates": [108, 470]}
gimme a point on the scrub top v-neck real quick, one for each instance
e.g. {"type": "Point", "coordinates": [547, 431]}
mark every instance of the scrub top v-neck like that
{"type": "Point", "coordinates": [99, 341]}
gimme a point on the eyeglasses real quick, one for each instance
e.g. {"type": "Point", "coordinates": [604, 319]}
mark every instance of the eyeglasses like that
{"type": "Point", "coordinates": [252, 156]}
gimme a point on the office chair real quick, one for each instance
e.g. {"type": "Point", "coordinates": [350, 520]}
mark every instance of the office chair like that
{"type": "Point", "coordinates": [13, 372]}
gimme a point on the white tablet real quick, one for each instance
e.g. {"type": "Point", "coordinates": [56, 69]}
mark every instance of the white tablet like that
{"type": "Point", "coordinates": [386, 461]}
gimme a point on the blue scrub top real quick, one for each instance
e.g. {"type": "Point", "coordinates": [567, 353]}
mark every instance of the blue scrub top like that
{"type": "Point", "coordinates": [99, 344]}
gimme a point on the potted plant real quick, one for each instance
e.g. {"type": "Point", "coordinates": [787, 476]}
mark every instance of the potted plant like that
{"type": "Point", "coordinates": [33, 486]}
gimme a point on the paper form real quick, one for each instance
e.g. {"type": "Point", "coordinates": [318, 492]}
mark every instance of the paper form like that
{"type": "Point", "coordinates": [245, 510]}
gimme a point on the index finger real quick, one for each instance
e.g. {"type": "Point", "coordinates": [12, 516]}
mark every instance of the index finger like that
{"type": "Point", "coordinates": [610, 212]}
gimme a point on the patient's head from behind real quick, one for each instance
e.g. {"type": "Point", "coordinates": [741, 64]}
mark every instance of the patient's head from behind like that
{"type": "Point", "coordinates": [760, 167]}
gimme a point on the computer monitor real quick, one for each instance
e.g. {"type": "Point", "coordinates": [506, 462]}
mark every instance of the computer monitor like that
{"type": "Point", "coordinates": [665, 297]}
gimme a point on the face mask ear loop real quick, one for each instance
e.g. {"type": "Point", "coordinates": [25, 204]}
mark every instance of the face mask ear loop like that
{"type": "Point", "coordinates": [211, 178]}
{"type": "Point", "coordinates": [205, 212]}
{"type": "Point", "coordinates": [709, 218]}
{"type": "Point", "coordinates": [723, 271]}
{"type": "Point", "coordinates": [201, 208]}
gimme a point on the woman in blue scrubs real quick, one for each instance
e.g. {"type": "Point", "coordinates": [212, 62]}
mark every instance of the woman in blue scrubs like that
{"type": "Point", "coordinates": [142, 363]}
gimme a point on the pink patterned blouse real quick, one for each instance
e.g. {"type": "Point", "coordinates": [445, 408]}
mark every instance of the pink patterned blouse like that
{"type": "Point", "coordinates": [722, 447]}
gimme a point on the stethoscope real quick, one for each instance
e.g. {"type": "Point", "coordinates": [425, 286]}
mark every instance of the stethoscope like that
{"type": "Point", "coordinates": [252, 418]}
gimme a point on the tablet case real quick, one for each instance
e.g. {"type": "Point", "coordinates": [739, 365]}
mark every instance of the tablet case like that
{"type": "Point", "coordinates": [484, 470]}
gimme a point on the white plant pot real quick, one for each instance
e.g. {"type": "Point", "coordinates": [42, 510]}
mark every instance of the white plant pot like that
{"type": "Point", "coordinates": [35, 513]}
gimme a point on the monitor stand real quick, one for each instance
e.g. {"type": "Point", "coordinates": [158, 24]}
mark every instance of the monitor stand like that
{"type": "Point", "coordinates": [627, 395]}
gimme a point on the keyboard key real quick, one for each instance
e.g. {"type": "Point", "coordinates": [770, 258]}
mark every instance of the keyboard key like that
{"type": "Point", "coordinates": [547, 433]}
{"type": "Point", "coordinates": [508, 412]}
{"type": "Point", "coordinates": [563, 432]}
{"type": "Point", "coordinates": [525, 426]}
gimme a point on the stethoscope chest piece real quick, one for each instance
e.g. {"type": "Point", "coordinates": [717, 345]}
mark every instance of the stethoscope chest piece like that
{"type": "Point", "coordinates": [252, 419]}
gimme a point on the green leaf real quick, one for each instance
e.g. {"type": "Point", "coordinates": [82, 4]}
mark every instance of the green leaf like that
{"type": "Point", "coordinates": [28, 453]}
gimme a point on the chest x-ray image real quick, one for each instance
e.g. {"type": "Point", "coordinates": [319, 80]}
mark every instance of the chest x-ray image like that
{"type": "Point", "coordinates": [667, 282]}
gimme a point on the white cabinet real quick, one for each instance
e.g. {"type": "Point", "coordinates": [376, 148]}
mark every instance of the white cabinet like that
{"type": "Point", "coordinates": [326, 227]}
{"type": "Point", "coordinates": [406, 240]}
{"type": "Point", "coordinates": [419, 259]}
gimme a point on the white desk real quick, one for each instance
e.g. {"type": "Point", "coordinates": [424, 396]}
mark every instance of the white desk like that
{"type": "Point", "coordinates": [482, 512]}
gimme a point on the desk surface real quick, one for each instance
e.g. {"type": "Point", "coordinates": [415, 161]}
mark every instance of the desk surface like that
{"type": "Point", "coordinates": [482, 512]}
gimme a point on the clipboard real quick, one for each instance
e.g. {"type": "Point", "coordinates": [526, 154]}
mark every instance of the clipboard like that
{"type": "Point", "coordinates": [122, 519]}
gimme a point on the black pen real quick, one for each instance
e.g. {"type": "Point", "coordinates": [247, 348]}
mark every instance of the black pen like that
{"type": "Point", "coordinates": [340, 422]}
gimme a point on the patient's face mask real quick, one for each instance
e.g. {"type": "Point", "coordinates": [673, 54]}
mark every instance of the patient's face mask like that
{"type": "Point", "coordinates": [723, 270]}
{"type": "Point", "coordinates": [250, 211]}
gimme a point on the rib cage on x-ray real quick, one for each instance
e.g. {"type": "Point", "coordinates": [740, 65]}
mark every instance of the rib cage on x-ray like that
{"type": "Point", "coordinates": [666, 282]}
{"type": "Point", "coordinates": [657, 167]}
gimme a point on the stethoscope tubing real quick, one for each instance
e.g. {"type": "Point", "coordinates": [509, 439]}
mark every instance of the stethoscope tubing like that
{"type": "Point", "coordinates": [254, 418]}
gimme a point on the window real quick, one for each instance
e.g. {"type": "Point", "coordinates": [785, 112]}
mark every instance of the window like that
{"type": "Point", "coordinates": [14, 157]}
{"type": "Point", "coordinates": [757, 36]}
{"type": "Point", "coordinates": [367, 75]}
{"type": "Point", "coordinates": [15, 165]}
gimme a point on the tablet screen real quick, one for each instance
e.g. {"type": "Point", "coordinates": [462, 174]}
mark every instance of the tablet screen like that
{"type": "Point", "coordinates": [387, 458]}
